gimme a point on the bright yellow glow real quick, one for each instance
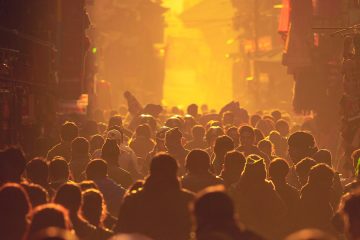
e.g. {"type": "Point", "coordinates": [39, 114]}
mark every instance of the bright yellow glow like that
{"type": "Point", "coordinates": [197, 69]}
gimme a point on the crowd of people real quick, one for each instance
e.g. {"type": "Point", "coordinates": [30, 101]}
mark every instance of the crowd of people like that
{"type": "Point", "coordinates": [150, 173]}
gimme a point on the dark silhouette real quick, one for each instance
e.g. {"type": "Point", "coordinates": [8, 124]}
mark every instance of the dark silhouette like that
{"type": "Point", "coordinates": [37, 194]}
{"type": "Point", "coordinates": [58, 172]}
{"type": "Point", "coordinates": [110, 153]}
{"type": "Point", "coordinates": [223, 144]}
{"type": "Point", "coordinates": [160, 209]}
{"type": "Point", "coordinates": [94, 211]}
{"type": "Point", "coordinates": [198, 174]}
{"type": "Point", "coordinates": [68, 132]}
{"type": "Point", "coordinates": [198, 139]}
{"type": "Point", "coordinates": [113, 193]}
{"type": "Point", "coordinates": [233, 133]}
{"type": "Point", "coordinates": [315, 210]}
{"type": "Point", "coordinates": [69, 195]}
{"type": "Point", "coordinates": [79, 157]}
{"type": "Point", "coordinates": [350, 209]}
{"type": "Point", "coordinates": [96, 143]}
{"type": "Point", "coordinates": [302, 169]}
{"type": "Point", "coordinates": [12, 165]}
{"type": "Point", "coordinates": [234, 164]}
{"type": "Point", "coordinates": [214, 222]}
{"type": "Point", "coordinates": [175, 148]}
{"type": "Point", "coordinates": [37, 171]}
{"type": "Point", "coordinates": [142, 143]}
{"type": "Point", "coordinates": [14, 206]}
{"type": "Point", "coordinates": [257, 201]}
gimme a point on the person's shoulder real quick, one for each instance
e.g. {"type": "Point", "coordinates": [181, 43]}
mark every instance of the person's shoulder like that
{"type": "Point", "coordinates": [187, 195]}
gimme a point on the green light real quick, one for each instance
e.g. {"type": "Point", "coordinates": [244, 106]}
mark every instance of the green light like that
{"type": "Point", "coordinates": [94, 50]}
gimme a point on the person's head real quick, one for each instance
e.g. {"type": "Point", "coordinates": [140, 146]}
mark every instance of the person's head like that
{"type": "Point", "coordinates": [212, 134]}
{"type": "Point", "coordinates": [69, 131]}
{"type": "Point", "coordinates": [69, 196]}
{"type": "Point", "coordinates": [255, 170]}
{"type": "Point", "coordinates": [232, 132]}
{"type": "Point", "coordinates": [173, 138]}
{"type": "Point", "coordinates": [87, 184]}
{"type": "Point", "coordinates": [198, 132]}
{"type": "Point", "coordinates": [228, 118]}
{"type": "Point", "coordinates": [48, 215]}
{"type": "Point", "coordinates": [192, 110]}
{"type": "Point", "coordinates": [80, 147]}
{"type": "Point", "coordinates": [258, 136]}
{"type": "Point", "coordinates": [302, 169]}
{"type": "Point", "coordinates": [163, 166]}
{"type": "Point", "coordinates": [282, 127]}
{"type": "Point", "coordinates": [94, 207]}
{"type": "Point", "coordinates": [321, 175]}
{"type": "Point", "coordinates": [110, 151]}
{"type": "Point", "coordinates": [58, 169]}
{"type": "Point", "coordinates": [37, 194]}
{"type": "Point", "coordinates": [14, 206]}
{"type": "Point", "coordinates": [116, 134]}
{"type": "Point", "coordinates": [207, 211]}
{"type": "Point", "coordinates": [115, 120]}
{"type": "Point", "coordinates": [254, 119]}
{"type": "Point", "coordinates": [96, 170]}
{"type": "Point", "coordinates": [323, 156]}
{"type": "Point", "coordinates": [143, 131]}
{"type": "Point", "coordinates": [278, 170]}
{"type": "Point", "coordinates": [266, 147]}
{"type": "Point", "coordinates": [301, 145]}
{"type": "Point", "coordinates": [37, 171]}
{"type": "Point", "coordinates": [12, 164]}
{"type": "Point", "coordinates": [234, 162]}
{"type": "Point", "coordinates": [197, 162]}
{"type": "Point", "coordinates": [96, 142]}
{"type": "Point", "coordinates": [350, 209]}
{"type": "Point", "coordinates": [223, 145]}
{"type": "Point", "coordinates": [265, 126]}
{"type": "Point", "coordinates": [276, 114]}
{"type": "Point", "coordinates": [247, 136]}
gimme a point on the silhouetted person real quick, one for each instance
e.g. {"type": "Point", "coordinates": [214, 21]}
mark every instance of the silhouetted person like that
{"type": "Point", "coordinates": [175, 148]}
{"type": "Point", "coordinates": [142, 143]}
{"type": "Point", "coordinates": [48, 215]}
{"type": "Point", "coordinates": [97, 171]}
{"type": "Point", "coordinates": [356, 164]}
{"type": "Point", "coordinates": [79, 158]}
{"type": "Point", "coordinates": [198, 139]}
{"type": "Point", "coordinates": [12, 165]}
{"type": "Point", "coordinates": [68, 132]}
{"type": "Point", "coordinates": [193, 110]}
{"type": "Point", "coordinates": [37, 194]}
{"type": "Point", "coordinates": [96, 143]}
{"type": "Point", "coordinates": [350, 209]}
{"type": "Point", "coordinates": [69, 196]}
{"type": "Point", "coordinates": [223, 145]}
{"type": "Point", "coordinates": [278, 170]}
{"type": "Point", "coordinates": [214, 222]}
{"type": "Point", "coordinates": [302, 169]}
{"type": "Point", "coordinates": [94, 211]}
{"type": "Point", "coordinates": [14, 206]}
{"type": "Point", "coordinates": [247, 143]}
{"type": "Point", "coordinates": [37, 171]}
{"type": "Point", "coordinates": [59, 172]}
{"type": "Point", "coordinates": [198, 174]}
{"type": "Point", "coordinates": [301, 145]}
{"type": "Point", "coordinates": [233, 133]}
{"type": "Point", "coordinates": [110, 153]}
{"type": "Point", "coordinates": [282, 127]}
{"type": "Point", "coordinates": [160, 209]}
{"type": "Point", "coordinates": [234, 164]}
{"type": "Point", "coordinates": [267, 147]}
{"type": "Point", "coordinates": [258, 202]}
{"type": "Point", "coordinates": [280, 144]}
{"type": "Point", "coordinates": [315, 210]}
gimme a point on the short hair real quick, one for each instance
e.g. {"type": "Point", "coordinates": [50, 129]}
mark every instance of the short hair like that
{"type": "Point", "coordinates": [264, 143]}
{"type": "Point", "coordinates": [301, 139]}
{"type": "Point", "coordinates": [323, 156]}
{"type": "Point", "coordinates": [80, 147]}
{"type": "Point", "coordinates": [223, 144]}
{"type": "Point", "coordinates": [303, 167]}
{"type": "Point", "coordinates": [255, 169]}
{"type": "Point", "coordinates": [96, 169]}
{"type": "Point", "coordinates": [69, 195]}
{"type": "Point", "coordinates": [37, 170]}
{"type": "Point", "coordinates": [96, 142]}
{"type": "Point", "coordinates": [278, 169]}
{"type": "Point", "coordinates": [110, 151]}
{"type": "Point", "coordinates": [163, 166]}
{"type": "Point", "coordinates": [69, 131]}
{"type": "Point", "coordinates": [276, 114]}
{"type": "Point", "coordinates": [115, 120]}
{"type": "Point", "coordinates": [234, 160]}
{"type": "Point", "coordinates": [49, 215]}
{"type": "Point", "coordinates": [87, 184]}
{"type": "Point", "coordinates": [254, 119]}
{"type": "Point", "coordinates": [350, 209]}
{"type": "Point", "coordinates": [143, 130]}
{"type": "Point", "coordinates": [197, 161]}
{"type": "Point", "coordinates": [37, 194]}
{"type": "Point", "coordinates": [58, 168]}
{"type": "Point", "coordinates": [198, 131]}
{"type": "Point", "coordinates": [12, 164]}
{"type": "Point", "coordinates": [94, 207]}
{"type": "Point", "coordinates": [246, 129]}
{"type": "Point", "coordinates": [321, 174]}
